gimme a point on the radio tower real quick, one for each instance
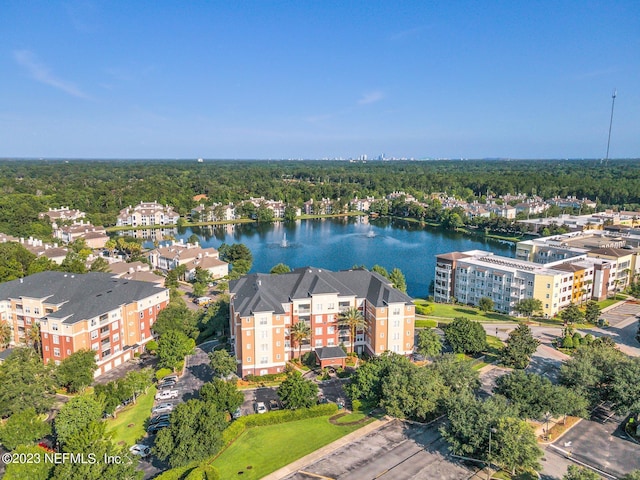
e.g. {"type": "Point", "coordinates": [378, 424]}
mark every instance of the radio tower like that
{"type": "Point", "coordinates": [613, 102]}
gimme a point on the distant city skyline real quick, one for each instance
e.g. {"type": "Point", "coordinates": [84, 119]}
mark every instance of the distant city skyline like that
{"type": "Point", "coordinates": [322, 80]}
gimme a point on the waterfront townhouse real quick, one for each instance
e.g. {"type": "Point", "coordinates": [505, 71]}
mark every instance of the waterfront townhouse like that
{"type": "Point", "coordinates": [264, 308]}
{"type": "Point", "coordinates": [94, 311]}
{"type": "Point", "coordinates": [191, 256]}
{"type": "Point", "coordinates": [469, 276]}
{"type": "Point", "coordinates": [147, 214]}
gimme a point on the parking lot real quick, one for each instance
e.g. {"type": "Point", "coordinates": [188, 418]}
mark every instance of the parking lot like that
{"type": "Point", "coordinates": [397, 451]}
{"type": "Point", "coordinates": [602, 443]}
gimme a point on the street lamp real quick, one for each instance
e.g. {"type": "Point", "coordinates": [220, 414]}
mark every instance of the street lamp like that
{"type": "Point", "coordinates": [547, 417]}
{"type": "Point", "coordinates": [491, 430]}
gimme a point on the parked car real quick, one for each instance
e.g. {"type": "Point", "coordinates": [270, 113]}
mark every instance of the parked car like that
{"type": "Point", "coordinates": [140, 450]}
{"type": "Point", "coordinates": [162, 408]}
{"type": "Point", "coordinates": [167, 394]}
{"type": "Point", "coordinates": [274, 405]}
{"type": "Point", "coordinates": [237, 413]}
{"type": "Point", "coordinates": [164, 417]}
{"type": "Point", "coordinates": [260, 407]}
{"type": "Point", "coordinates": [156, 427]}
{"type": "Point", "coordinates": [172, 377]}
{"type": "Point", "coordinates": [167, 384]}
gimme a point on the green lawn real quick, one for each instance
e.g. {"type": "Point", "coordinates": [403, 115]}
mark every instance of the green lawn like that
{"type": "Point", "coordinates": [262, 450]}
{"type": "Point", "coordinates": [128, 426]}
{"type": "Point", "coordinates": [351, 417]}
{"type": "Point", "coordinates": [425, 323]}
{"type": "Point", "coordinates": [445, 312]}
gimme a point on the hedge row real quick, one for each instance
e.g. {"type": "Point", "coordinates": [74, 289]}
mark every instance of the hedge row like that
{"type": "Point", "coordinates": [270, 377]}
{"type": "Point", "coordinates": [234, 430]}
{"type": "Point", "coordinates": [203, 471]}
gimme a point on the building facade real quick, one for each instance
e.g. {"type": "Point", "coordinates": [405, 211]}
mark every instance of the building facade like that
{"type": "Point", "coordinates": [191, 256]}
{"type": "Point", "coordinates": [264, 309]}
{"type": "Point", "coordinates": [146, 214]}
{"type": "Point", "coordinates": [94, 311]}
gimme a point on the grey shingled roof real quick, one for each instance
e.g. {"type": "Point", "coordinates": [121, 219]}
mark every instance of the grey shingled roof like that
{"type": "Point", "coordinates": [80, 296]}
{"type": "Point", "coordinates": [267, 293]}
{"type": "Point", "coordinates": [325, 353]}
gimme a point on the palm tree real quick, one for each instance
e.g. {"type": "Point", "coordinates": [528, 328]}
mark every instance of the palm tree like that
{"type": "Point", "coordinates": [33, 337]}
{"type": "Point", "coordinates": [300, 331]}
{"type": "Point", "coordinates": [5, 334]}
{"type": "Point", "coordinates": [353, 319]}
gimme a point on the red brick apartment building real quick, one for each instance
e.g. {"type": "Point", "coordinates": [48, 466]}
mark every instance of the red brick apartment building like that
{"type": "Point", "coordinates": [264, 308]}
{"type": "Point", "coordinates": [94, 311]}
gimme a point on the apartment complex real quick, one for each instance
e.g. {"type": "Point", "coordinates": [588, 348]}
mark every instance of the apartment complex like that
{"type": "Point", "coordinates": [265, 307]}
{"type": "Point", "coordinates": [95, 237]}
{"type": "Point", "coordinates": [146, 214]}
{"type": "Point", "coordinates": [62, 214]}
{"type": "Point", "coordinates": [191, 256]}
{"type": "Point", "coordinates": [94, 311]}
{"type": "Point", "coordinates": [469, 276]}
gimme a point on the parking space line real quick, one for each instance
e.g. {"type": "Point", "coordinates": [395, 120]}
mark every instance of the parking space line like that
{"type": "Point", "coordinates": [315, 475]}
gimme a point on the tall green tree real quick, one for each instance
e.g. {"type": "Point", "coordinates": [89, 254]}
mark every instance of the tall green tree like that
{"type": "Point", "coordinates": [224, 395]}
{"type": "Point", "coordinates": [29, 470]}
{"type": "Point", "coordinates": [25, 382]}
{"type": "Point", "coordinates": [572, 314]}
{"type": "Point", "coordinates": [353, 320]}
{"type": "Point", "coordinates": [195, 433]}
{"type": "Point", "coordinates": [592, 312]}
{"type": "Point", "coordinates": [279, 269]}
{"type": "Point", "coordinates": [528, 306]}
{"type": "Point", "coordinates": [297, 392]}
{"type": "Point", "coordinates": [300, 332]}
{"type": "Point", "coordinates": [485, 304]}
{"type": "Point", "coordinates": [75, 415]}
{"type": "Point", "coordinates": [466, 336]}
{"type": "Point", "coordinates": [458, 374]}
{"type": "Point", "coordinates": [429, 343]}
{"type": "Point", "coordinates": [5, 334]}
{"type": "Point", "coordinates": [75, 372]}
{"type": "Point", "coordinates": [173, 346]}
{"type": "Point", "coordinates": [516, 445]}
{"type": "Point", "coordinates": [177, 317]}
{"type": "Point", "coordinates": [520, 347]}
{"type": "Point", "coordinates": [222, 363]}
{"type": "Point", "coordinates": [397, 280]}
{"type": "Point", "coordinates": [23, 428]}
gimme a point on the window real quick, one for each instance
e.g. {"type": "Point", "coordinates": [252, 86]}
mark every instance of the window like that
{"type": "Point", "coordinates": [396, 336]}
{"type": "Point", "coordinates": [263, 320]}
{"type": "Point", "coordinates": [318, 343]}
{"type": "Point", "coordinates": [264, 360]}
{"type": "Point", "coordinates": [318, 330]}
{"type": "Point", "coordinates": [264, 347]}
{"type": "Point", "coordinates": [54, 327]}
{"type": "Point", "coordinates": [116, 337]}
{"type": "Point", "coordinates": [277, 330]}
{"type": "Point", "coordinates": [248, 359]}
{"type": "Point", "coordinates": [56, 339]}
{"type": "Point", "coordinates": [94, 334]}
{"type": "Point", "coordinates": [248, 346]}
{"type": "Point", "coordinates": [396, 310]}
{"type": "Point", "coordinates": [331, 330]}
{"type": "Point", "coordinates": [248, 333]}
{"type": "Point", "coordinates": [264, 334]}
{"type": "Point", "coordinates": [277, 344]}
{"type": "Point", "coordinates": [56, 352]}
{"type": "Point", "coordinates": [27, 309]}
{"type": "Point", "coordinates": [68, 351]}
{"type": "Point", "coordinates": [36, 311]}
{"type": "Point", "coordinates": [93, 322]}
{"type": "Point", "coordinates": [331, 306]}
{"type": "Point", "coordinates": [408, 333]}
{"type": "Point", "coordinates": [382, 335]}
{"type": "Point", "coordinates": [141, 314]}
{"type": "Point", "coordinates": [278, 356]}
{"type": "Point", "coordinates": [396, 323]}
{"type": "Point", "coordinates": [319, 307]}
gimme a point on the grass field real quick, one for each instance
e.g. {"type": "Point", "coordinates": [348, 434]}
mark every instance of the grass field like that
{"type": "Point", "coordinates": [445, 312]}
{"type": "Point", "coordinates": [128, 426]}
{"type": "Point", "coordinates": [262, 450]}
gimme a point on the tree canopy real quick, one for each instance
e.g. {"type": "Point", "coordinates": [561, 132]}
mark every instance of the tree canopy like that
{"type": "Point", "coordinates": [297, 392]}
{"type": "Point", "coordinates": [520, 346]}
{"type": "Point", "coordinates": [466, 336]}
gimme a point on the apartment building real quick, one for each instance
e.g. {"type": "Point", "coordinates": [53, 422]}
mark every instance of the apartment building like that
{"type": "Point", "coordinates": [621, 251]}
{"type": "Point", "coordinates": [264, 308]}
{"type": "Point", "coordinates": [94, 311]}
{"type": "Point", "coordinates": [62, 214]}
{"type": "Point", "coordinates": [469, 276]}
{"type": "Point", "coordinates": [191, 256]}
{"type": "Point", "coordinates": [147, 214]}
{"type": "Point", "coordinates": [95, 237]}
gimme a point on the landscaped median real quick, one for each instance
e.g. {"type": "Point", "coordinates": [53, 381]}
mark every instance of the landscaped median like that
{"type": "Point", "coordinates": [260, 444]}
{"type": "Point", "coordinates": [128, 426]}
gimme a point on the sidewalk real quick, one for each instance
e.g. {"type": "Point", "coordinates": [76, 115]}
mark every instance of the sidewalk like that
{"type": "Point", "coordinates": [327, 449]}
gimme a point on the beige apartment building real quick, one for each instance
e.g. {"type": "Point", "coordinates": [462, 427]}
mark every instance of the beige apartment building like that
{"type": "Point", "coordinates": [94, 311]}
{"type": "Point", "coordinates": [264, 308]}
{"type": "Point", "coordinates": [147, 214]}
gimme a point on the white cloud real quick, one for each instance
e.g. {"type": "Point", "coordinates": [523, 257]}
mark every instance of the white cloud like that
{"type": "Point", "coordinates": [42, 74]}
{"type": "Point", "coordinates": [371, 97]}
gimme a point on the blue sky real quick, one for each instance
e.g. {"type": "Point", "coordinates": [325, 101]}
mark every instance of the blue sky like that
{"type": "Point", "coordinates": [319, 79]}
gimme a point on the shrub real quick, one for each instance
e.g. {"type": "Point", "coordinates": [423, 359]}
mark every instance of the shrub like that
{"type": "Point", "coordinates": [179, 366]}
{"type": "Point", "coordinates": [177, 473]}
{"type": "Point", "coordinates": [136, 355]}
{"type": "Point", "coordinates": [163, 372]}
{"type": "Point", "coordinates": [588, 339]}
{"type": "Point", "coordinates": [577, 339]}
{"type": "Point", "coordinates": [567, 342]}
{"type": "Point", "coordinates": [356, 405]}
{"type": "Point", "coordinates": [270, 377]}
{"type": "Point", "coordinates": [152, 346]}
{"type": "Point", "coordinates": [602, 322]}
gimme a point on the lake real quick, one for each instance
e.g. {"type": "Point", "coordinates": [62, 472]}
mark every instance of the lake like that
{"type": "Point", "coordinates": [341, 243]}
